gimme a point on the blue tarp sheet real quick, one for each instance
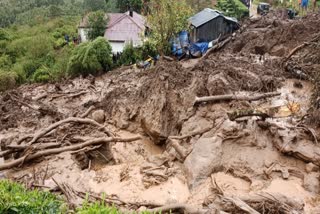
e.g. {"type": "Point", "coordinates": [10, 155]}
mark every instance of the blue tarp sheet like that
{"type": "Point", "coordinates": [201, 46]}
{"type": "Point", "coordinates": [181, 45]}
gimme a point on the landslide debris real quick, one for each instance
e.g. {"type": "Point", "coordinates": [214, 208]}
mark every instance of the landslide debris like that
{"type": "Point", "coordinates": [137, 136]}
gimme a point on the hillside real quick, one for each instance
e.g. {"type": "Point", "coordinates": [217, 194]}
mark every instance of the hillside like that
{"type": "Point", "coordinates": [234, 132]}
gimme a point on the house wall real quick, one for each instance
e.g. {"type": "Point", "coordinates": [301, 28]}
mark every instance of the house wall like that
{"type": "Point", "coordinates": [83, 32]}
{"type": "Point", "coordinates": [125, 30]}
{"type": "Point", "coordinates": [117, 46]}
{"type": "Point", "coordinates": [212, 29]}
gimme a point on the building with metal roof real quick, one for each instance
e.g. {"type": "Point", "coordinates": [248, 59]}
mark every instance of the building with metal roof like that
{"type": "Point", "coordinates": [209, 24]}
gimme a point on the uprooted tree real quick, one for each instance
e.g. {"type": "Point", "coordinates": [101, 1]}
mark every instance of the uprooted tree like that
{"type": "Point", "coordinates": [167, 18]}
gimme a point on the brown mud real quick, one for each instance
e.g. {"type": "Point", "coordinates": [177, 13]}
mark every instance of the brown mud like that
{"type": "Point", "coordinates": [271, 165]}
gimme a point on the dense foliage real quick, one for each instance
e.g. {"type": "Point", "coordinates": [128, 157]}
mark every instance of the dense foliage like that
{"type": "Point", "coordinates": [90, 58]}
{"type": "Point", "coordinates": [166, 19]}
{"type": "Point", "coordinates": [233, 8]}
{"type": "Point", "coordinates": [14, 198]}
{"type": "Point", "coordinates": [97, 24]}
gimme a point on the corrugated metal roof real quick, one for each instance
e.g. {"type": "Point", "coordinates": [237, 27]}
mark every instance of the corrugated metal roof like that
{"type": "Point", "coordinates": [207, 15]}
{"type": "Point", "coordinates": [204, 16]}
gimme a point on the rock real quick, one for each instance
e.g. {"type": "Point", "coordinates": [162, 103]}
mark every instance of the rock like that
{"type": "Point", "coordinates": [310, 167]}
{"type": "Point", "coordinates": [311, 182]}
{"type": "Point", "coordinates": [204, 159]}
{"type": "Point", "coordinates": [98, 116]}
{"type": "Point", "coordinates": [278, 51]}
{"type": "Point", "coordinates": [217, 84]}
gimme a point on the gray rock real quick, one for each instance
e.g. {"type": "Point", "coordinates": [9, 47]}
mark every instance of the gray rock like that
{"type": "Point", "coordinates": [311, 182]}
{"type": "Point", "coordinates": [204, 159]}
{"type": "Point", "coordinates": [98, 116]}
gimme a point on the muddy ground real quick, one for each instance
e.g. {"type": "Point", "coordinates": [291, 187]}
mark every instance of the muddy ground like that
{"type": "Point", "coordinates": [193, 157]}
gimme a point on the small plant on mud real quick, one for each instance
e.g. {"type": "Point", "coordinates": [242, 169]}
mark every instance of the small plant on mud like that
{"type": "Point", "coordinates": [14, 198]}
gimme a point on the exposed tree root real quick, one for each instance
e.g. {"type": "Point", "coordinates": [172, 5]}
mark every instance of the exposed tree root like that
{"type": "Point", "coordinates": [42, 132]}
{"type": "Point", "coordinates": [230, 97]}
{"type": "Point", "coordinates": [48, 152]}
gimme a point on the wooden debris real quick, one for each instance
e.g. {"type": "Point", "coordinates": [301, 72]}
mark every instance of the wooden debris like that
{"type": "Point", "coordinates": [230, 97]}
{"type": "Point", "coordinates": [48, 152]}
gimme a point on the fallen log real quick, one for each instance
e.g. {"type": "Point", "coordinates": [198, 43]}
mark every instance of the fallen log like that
{"type": "Point", "coordinates": [184, 208]}
{"type": "Point", "coordinates": [241, 205]}
{"type": "Point", "coordinates": [247, 113]}
{"type": "Point", "coordinates": [299, 47]}
{"type": "Point", "coordinates": [230, 97]}
{"type": "Point", "coordinates": [48, 152]}
{"type": "Point", "coordinates": [42, 132]}
{"type": "Point", "coordinates": [216, 47]}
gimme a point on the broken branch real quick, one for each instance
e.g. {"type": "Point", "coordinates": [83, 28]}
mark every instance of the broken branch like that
{"type": "Point", "coordinates": [48, 152]}
{"type": "Point", "coordinates": [68, 120]}
{"type": "Point", "coordinates": [230, 97]}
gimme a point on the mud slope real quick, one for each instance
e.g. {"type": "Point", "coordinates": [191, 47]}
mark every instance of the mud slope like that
{"type": "Point", "coordinates": [235, 156]}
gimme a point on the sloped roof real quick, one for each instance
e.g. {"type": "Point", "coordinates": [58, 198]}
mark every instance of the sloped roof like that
{"type": "Point", "coordinates": [114, 18]}
{"type": "Point", "coordinates": [207, 15]}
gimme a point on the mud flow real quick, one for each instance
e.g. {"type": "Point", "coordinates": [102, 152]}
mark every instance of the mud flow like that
{"type": "Point", "coordinates": [234, 132]}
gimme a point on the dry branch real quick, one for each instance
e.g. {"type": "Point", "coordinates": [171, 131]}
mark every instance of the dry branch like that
{"type": "Point", "coordinates": [199, 132]}
{"type": "Point", "coordinates": [184, 208]}
{"type": "Point", "coordinates": [217, 46]}
{"type": "Point", "coordinates": [85, 114]}
{"type": "Point", "coordinates": [48, 152]}
{"type": "Point", "coordinates": [246, 113]}
{"type": "Point", "coordinates": [241, 205]}
{"type": "Point", "coordinates": [42, 132]}
{"type": "Point", "coordinates": [230, 97]}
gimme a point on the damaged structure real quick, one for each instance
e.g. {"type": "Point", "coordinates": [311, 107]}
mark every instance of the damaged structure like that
{"type": "Point", "coordinates": [209, 24]}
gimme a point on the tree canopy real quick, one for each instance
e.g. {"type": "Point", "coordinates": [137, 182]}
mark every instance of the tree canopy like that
{"type": "Point", "coordinates": [97, 24]}
{"type": "Point", "coordinates": [166, 19]}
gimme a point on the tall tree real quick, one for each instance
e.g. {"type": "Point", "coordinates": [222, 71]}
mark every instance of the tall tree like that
{"type": "Point", "coordinates": [166, 19]}
{"type": "Point", "coordinates": [97, 24]}
{"type": "Point", "coordinates": [125, 5]}
{"type": "Point", "coordinates": [94, 5]}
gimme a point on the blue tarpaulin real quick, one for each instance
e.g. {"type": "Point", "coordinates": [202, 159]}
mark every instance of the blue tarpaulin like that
{"type": "Point", "coordinates": [181, 45]}
{"type": "Point", "coordinates": [200, 46]}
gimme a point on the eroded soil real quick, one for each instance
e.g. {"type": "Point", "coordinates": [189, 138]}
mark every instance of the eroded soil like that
{"type": "Point", "coordinates": [271, 164]}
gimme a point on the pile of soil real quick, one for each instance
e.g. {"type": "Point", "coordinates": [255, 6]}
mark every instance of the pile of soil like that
{"type": "Point", "coordinates": [191, 157]}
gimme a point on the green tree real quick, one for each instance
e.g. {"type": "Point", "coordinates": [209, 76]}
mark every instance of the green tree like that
{"type": "Point", "coordinates": [97, 24]}
{"type": "Point", "coordinates": [166, 19]}
{"type": "Point", "coordinates": [136, 5]}
{"type": "Point", "coordinates": [94, 5]}
{"type": "Point", "coordinates": [91, 57]}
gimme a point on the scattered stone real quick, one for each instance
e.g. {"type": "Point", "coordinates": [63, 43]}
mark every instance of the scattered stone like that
{"type": "Point", "coordinates": [98, 116]}
{"type": "Point", "coordinates": [204, 159]}
{"type": "Point", "coordinates": [311, 182]}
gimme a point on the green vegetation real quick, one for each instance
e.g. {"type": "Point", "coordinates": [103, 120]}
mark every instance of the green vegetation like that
{"type": "Point", "coordinates": [90, 58]}
{"type": "Point", "coordinates": [166, 19]}
{"type": "Point", "coordinates": [97, 24]}
{"type": "Point", "coordinates": [14, 198]}
{"type": "Point", "coordinates": [233, 8]}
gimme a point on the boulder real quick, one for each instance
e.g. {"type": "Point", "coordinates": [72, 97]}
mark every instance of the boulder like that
{"type": "Point", "coordinates": [204, 159]}
{"type": "Point", "coordinates": [98, 116]}
{"type": "Point", "coordinates": [217, 84]}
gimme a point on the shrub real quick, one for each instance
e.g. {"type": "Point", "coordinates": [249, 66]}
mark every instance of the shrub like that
{"type": "Point", "coordinates": [148, 48]}
{"type": "Point", "coordinates": [14, 198]}
{"type": "Point", "coordinates": [7, 81]}
{"type": "Point", "coordinates": [5, 62]}
{"type": "Point", "coordinates": [97, 208]}
{"type": "Point", "coordinates": [30, 66]}
{"type": "Point", "coordinates": [130, 55]}
{"type": "Point", "coordinates": [41, 75]}
{"type": "Point", "coordinates": [90, 58]}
